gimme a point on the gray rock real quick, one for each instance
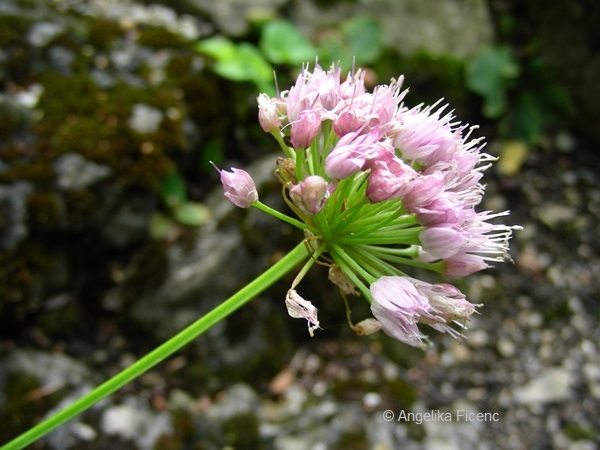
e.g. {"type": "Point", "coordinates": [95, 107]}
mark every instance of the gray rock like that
{"type": "Point", "coordinates": [61, 59]}
{"type": "Point", "coordinates": [54, 371]}
{"type": "Point", "coordinates": [439, 27]}
{"type": "Point", "coordinates": [133, 420]}
{"type": "Point", "coordinates": [233, 16]}
{"type": "Point", "coordinates": [13, 209]}
{"type": "Point", "coordinates": [144, 118]}
{"type": "Point", "coordinates": [129, 223]}
{"type": "Point", "coordinates": [237, 400]}
{"type": "Point", "coordinates": [41, 33]}
{"type": "Point", "coordinates": [553, 385]}
{"type": "Point", "coordinates": [74, 172]}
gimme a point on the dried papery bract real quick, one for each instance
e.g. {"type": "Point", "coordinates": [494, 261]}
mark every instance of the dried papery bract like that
{"type": "Point", "coordinates": [298, 308]}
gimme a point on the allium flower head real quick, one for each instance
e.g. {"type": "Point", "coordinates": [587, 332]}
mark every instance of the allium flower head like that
{"type": "Point", "coordinates": [380, 188]}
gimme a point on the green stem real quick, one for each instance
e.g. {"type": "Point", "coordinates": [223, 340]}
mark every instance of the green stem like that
{"type": "Point", "coordinates": [286, 150]}
{"type": "Point", "coordinates": [283, 217]}
{"type": "Point", "coordinates": [243, 296]}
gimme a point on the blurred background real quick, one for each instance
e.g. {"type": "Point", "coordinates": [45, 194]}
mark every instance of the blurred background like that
{"type": "Point", "coordinates": [114, 234]}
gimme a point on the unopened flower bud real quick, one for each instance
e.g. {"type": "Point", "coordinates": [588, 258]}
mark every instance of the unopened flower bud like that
{"type": "Point", "coordinates": [463, 264]}
{"type": "Point", "coordinates": [268, 116]}
{"type": "Point", "coordinates": [239, 187]}
{"type": "Point", "coordinates": [305, 129]}
{"type": "Point", "coordinates": [310, 195]}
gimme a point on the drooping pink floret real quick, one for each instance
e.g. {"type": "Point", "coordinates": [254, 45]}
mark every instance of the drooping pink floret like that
{"type": "Point", "coordinates": [400, 303]}
{"type": "Point", "coordinates": [398, 306]}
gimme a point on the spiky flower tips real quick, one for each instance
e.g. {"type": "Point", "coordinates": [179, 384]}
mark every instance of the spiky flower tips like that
{"type": "Point", "coordinates": [379, 188]}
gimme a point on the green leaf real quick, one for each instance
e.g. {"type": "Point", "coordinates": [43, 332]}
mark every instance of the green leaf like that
{"type": "Point", "coordinates": [191, 214]}
{"type": "Point", "coordinates": [173, 191]}
{"type": "Point", "coordinates": [218, 48]}
{"type": "Point", "coordinates": [489, 74]}
{"type": "Point", "coordinates": [160, 226]}
{"type": "Point", "coordinates": [238, 62]}
{"type": "Point", "coordinates": [247, 64]}
{"type": "Point", "coordinates": [282, 43]}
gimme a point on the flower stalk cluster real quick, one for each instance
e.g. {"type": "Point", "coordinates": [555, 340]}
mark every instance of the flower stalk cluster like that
{"type": "Point", "coordinates": [378, 188]}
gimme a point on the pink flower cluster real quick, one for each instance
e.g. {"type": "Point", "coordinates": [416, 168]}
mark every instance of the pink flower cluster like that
{"type": "Point", "coordinates": [420, 160]}
{"type": "Point", "coordinates": [420, 155]}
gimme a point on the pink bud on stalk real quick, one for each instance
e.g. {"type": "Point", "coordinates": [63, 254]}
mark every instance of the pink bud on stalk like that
{"type": "Point", "coordinates": [239, 187]}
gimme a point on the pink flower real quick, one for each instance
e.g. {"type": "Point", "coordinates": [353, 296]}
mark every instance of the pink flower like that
{"type": "Point", "coordinates": [388, 179]}
{"type": "Point", "coordinates": [442, 242]}
{"type": "Point", "coordinates": [447, 304]}
{"type": "Point", "coordinates": [421, 190]}
{"type": "Point", "coordinates": [400, 303]}
{"type": "Point", "coordinates": [354, 85]}
{"type": "Point", "coordinates": [474, 236]}
{"type": "Point", "coordinates": [463, 264]}
{"type": "Point", "coordinates": [305, 129]}
{"type": "Point", "coordinates": [268, 115]}
{"type": "Point", "coordinates": [352, 152]}
{"type": "Point", "coordinates": [425, 137]}
{"type": "Point", "coordinates": [368, 110]}
{"type": "Point", "coordinates": [398, 306]}
{"type": "Point", "coordinates": [445, 208]}
{"type": "Point", "coordinates": [310, 195]}
{"type": "Point", "coordinates": [239, 187]}
{"type": "Point", "coordinates": [317, 90]}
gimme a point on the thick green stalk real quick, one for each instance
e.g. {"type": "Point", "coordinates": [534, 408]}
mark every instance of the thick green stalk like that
{"type": "Point", "coordinates": [243, 296]}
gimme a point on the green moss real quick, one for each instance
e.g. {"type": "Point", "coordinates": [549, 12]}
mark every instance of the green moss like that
{"type": "Point", "coordinates": [102, 32]}
{"type": "Point", "coordinates": [16, 277]}
{"type": "Point", "coordinates": [355, 440]}
{"type": "Point", "coordinates": [61, 323]}
{"type": "Point", "coordinates": [580, 432]}
{"type": "Point", "coordinates": [24, 405]}
{"type": "Point", "coordinates": [13, 29]}
{"type": "Point", "coordinates": [81, 208]}
{"type": "Point", "coordinates": [159, 37]}
{"type": "Point", "coordinates": [80, 118]}
{"type": "Point", "coordinates": [44, 211]}
{"type": "Point", "coordinates": [242, 431]}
